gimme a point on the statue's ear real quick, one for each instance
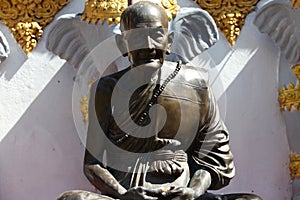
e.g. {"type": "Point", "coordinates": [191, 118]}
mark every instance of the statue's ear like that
{"type": "Point", "coordinates": [170, 42]}
{"type": "Point", "coordinates": [121, 44]}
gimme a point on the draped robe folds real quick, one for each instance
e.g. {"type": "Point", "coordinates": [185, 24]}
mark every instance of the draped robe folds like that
{"type": "Point", "coordinates": [191, 117]}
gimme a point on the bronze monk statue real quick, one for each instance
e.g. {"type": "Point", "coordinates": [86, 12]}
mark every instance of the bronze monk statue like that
{"type": "Point", "coordinates": [146, 152]}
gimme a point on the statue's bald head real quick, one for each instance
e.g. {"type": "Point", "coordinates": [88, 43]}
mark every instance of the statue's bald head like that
{"type": "Point", "coordinates": [143, 12]}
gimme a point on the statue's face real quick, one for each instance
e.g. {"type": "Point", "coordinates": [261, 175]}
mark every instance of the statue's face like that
{"type": "Point", "coordinates": [147, 39]}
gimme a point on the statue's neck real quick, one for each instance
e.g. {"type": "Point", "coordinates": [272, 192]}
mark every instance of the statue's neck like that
{"type": "Point", "coordinates": [145, 74]}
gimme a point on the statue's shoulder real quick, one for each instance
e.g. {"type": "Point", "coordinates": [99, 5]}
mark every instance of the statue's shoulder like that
{"type": "Point", "coordinates": [188, 74]}
{"type": "Point", "coordinates": [107, 83]}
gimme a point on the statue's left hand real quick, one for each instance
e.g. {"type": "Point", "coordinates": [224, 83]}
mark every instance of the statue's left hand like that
{"type": "Point", "coordinates": [181, 193]}
{"type": "Point", "coordinates": [142, 193]}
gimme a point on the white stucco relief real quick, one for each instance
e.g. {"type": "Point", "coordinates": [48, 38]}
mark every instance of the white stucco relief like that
{"type": "Point", "coordinates": [4, 48]}
{"type": "Point", "coordinates": [281, 22]}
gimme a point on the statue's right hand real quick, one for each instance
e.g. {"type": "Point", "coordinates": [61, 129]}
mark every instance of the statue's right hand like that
{"type": "Point", "coordinates": [161, 142]}
{"type": "Point", "coordinates": [141, 193]}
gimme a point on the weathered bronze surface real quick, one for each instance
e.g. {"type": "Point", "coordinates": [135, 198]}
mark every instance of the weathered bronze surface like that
{"type": "Point", "coordinates": [178, 152]}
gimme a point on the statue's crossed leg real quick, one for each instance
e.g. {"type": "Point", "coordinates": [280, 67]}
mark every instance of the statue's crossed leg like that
{"type": "Point", "coordinates": [84, 195]}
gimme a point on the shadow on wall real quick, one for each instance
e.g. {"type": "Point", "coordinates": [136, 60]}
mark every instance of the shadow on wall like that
{"type": "Point", "coordinates": [42, 154]}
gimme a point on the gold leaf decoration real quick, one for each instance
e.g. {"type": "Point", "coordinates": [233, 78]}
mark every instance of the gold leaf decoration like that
{"type": "Point", "coordinates": [27, 19]}
{"type": "Point", "coordinates": [100, 10]}
{"type": "Point", "coordinates": [170, 6]}
{"type": "Point", "coordinates": [295, 165]}
{"type": "Point", "coordinates": [111, 10]}
{"type": "Point", "coordinates": [91, 82]}
{"type": "Point", "coordinates": [27, 34]}
{"type": "Point", "coordinates": [290, 96]}
{"type": "Point", "coordinates": [296, 3]}
{"type": "Point", "coordinates": [229, 15]}
{"type": "Point", "coordinates": [84, 102]}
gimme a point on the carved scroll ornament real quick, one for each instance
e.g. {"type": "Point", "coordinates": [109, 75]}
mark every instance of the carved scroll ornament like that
{"type": "Point", "coordinates": [26, 19]}
{"type": "Point", "coordinates": [229, 15]}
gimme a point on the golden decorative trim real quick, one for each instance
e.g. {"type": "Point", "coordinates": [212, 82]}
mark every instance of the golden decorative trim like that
{"type": "Point", "coordinates": [229, 15]}
{"type": "Point", "coordinates": [100, 10]}
{"type": "Point", "coordinates": [170, 6]}
{"type": "Point", "coordinates": [296, 3]}
{"type": "Point", "coordinates": [290, 96]}
{"type": "Point", "coordinates": [295, 165]}
{"type": "Point", "coordinates": [84, 102]}
{"type": "Point", "coordinates": [28, 18]}
{"type": "Point", "coordinates": [90, 84]}
{"type": "Point", "coordinates": [111, 10]}
{"type": "Point", "coordinates": [27, 34]}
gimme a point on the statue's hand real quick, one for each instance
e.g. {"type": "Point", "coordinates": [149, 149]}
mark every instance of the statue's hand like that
{"type": "Point", "coordinates": [181, 193]}
{"type": "Point", "coordinates": [142, 193]}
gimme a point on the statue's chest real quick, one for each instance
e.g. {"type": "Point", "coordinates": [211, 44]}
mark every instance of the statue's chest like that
{"type": "Point", "coordinates": [184, 111]}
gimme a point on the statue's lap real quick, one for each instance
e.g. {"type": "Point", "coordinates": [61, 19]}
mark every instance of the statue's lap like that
{"type": "Point", "coordinates": [84, 195]}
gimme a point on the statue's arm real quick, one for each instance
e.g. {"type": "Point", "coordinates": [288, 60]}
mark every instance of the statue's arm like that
{"type": "Point", "coordinates": [210, 158]}
{"type": "Point", "coordinates": [94, 169]}
{"type": "Point", "coordinates": [101, 178]}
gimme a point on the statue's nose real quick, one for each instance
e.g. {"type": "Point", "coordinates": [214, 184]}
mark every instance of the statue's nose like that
{"type": "Point", "coordinates": [149, 43]}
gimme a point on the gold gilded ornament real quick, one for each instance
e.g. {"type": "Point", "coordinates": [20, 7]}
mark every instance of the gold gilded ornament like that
{"type": "Point", "coordinates": [229, 15]}
{"type": "Point", "coordinates": [111, 10]}
{"type": "Point", "coordinates": [290, 96]}
{"type": "Point", "coordinates": [295, 165]}
{"type": "Point", "coordinates": [84, 102]}
{"type": "Point", "coordinates": [170, 6]}
{"type": "Point", "coordinates": [296, 3]}
{"type": "Point", "coordinates": [27, 34]}
{"type": "Point", "coordinates": [100, 10]}
{"type": "Point", "coordinates": [28, 18]}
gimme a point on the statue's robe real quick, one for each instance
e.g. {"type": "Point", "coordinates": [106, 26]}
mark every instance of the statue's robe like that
{"type": "Point", "coordinates": [137, 159]}
{"type": "Point", "coordinates": [192, 118]}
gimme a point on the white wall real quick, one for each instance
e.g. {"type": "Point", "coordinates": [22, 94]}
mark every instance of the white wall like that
{"type": "Point", "coordinates": [41, 154]}
{"type": "Point", "coordinates": [292, 119]}
{"type": "Point", "coordinates": [258, 133]}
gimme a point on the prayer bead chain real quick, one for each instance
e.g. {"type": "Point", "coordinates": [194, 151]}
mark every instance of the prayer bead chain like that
{"type": "Point", "coordinates": [157, 92]}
